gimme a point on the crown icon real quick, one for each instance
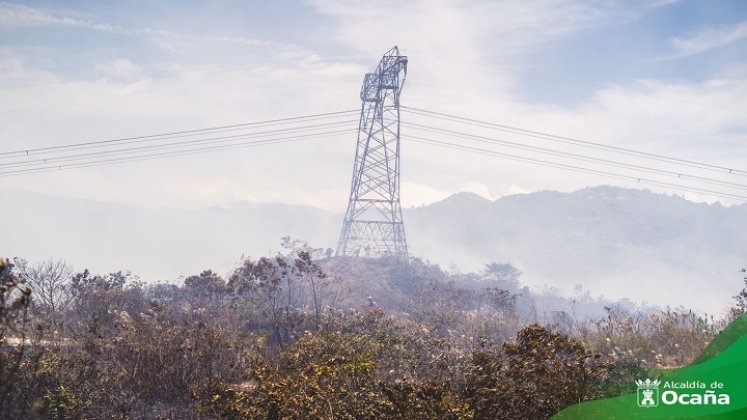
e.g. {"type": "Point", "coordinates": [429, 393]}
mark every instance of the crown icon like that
{"type": "Point", "coordinates": [648, 384]}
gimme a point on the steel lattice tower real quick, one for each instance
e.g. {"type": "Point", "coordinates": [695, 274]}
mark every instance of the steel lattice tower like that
{"type": "Point", "coordinates": [373, 224]}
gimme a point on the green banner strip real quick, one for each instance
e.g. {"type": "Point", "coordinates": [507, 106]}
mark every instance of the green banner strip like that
{"type": "Point", "coordinates": [698, 391]}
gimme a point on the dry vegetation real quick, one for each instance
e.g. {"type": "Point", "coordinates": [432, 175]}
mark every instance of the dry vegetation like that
{"type": "Point", "coordinates": [290, 337]}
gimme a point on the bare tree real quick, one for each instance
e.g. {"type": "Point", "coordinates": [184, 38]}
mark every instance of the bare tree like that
{"type": "Point", "coordinates": [50, 281]}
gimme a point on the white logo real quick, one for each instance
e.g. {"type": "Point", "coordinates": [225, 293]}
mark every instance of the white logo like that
{"type": "Point", "coordinates": [680, 393]}
{"type": "Point", "coordinates": [648, 393]}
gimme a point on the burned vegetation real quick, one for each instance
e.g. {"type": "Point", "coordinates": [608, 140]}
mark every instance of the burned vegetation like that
{"type": "Point", "coordinates": [293, 336]}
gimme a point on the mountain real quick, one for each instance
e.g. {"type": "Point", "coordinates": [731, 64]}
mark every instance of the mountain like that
{"type": "Point", "coordinates": [617, 242]}
{"type": "Point", "coordinates": [611, 241]}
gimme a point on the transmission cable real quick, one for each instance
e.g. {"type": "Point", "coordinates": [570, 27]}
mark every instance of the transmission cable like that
{"type": "Point", "coordinates": [572, 168]}
{"type": "Point", "coordinates": [575, 156]}
{"type": "Point", "coordinates": [570, 140]}
{"type": "Point", "coordinates": [154, 137]}
{"type": "Point", "coordinates": [171, 145]}
{"type": "Point", "coordinates": [173, 153]}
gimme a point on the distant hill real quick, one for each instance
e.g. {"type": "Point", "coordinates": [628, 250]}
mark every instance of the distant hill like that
{"type": "Point", "coordinates": [612, 241]}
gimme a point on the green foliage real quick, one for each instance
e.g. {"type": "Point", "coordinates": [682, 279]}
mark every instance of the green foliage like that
{"type": "Point", "coordinates": [60, 403]}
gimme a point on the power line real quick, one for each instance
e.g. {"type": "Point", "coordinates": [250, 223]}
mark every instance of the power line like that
{"type": "Point", "coordinates": [575, 156]}
{"type": "Point", "coordinates": [154, 137]}
{"type": "Point", "coordinates": [570, 140]}
{"type": "Point", "coordinates": [572, 168]}
{"type": "Point", "coordinates": [223, 139]}
{"type": "Point", "coordinates": [167, 154]}
{"type": "Point", "coordinates": [311, 126]}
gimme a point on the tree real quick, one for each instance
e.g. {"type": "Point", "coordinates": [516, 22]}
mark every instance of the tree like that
{"type": "Point", "coordinates": [15, 297]}
{"type": "Point", "coordinates": [534, 377]}
{"type": "Point", "coordinates": [314, 277]}
{"type": "Point", "coordinates": [280, 287]}
{"type": "Point", "coordinates": [98, 297]}
{"type": "Point", "coordinates": [500, 300]}
{"type": "Point", "coordinates": [85, 282]}
{"type": "Point", "coordinates": [50, 281]}
{"type": "Point", "coordinates": [505, 275]}
{"type": "Point", "coordinates": [206, 284]}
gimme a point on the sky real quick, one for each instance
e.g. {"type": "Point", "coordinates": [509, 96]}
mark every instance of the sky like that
{"type": "Point", "coordinates": [664, 76]}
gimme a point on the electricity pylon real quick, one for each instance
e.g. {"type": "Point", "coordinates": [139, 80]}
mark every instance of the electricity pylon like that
{"type": "Point", "coordinates": [373, 224]}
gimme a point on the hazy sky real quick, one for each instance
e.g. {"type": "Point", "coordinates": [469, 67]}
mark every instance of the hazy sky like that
{"type": "Point", "coordinates": [668, 77]}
